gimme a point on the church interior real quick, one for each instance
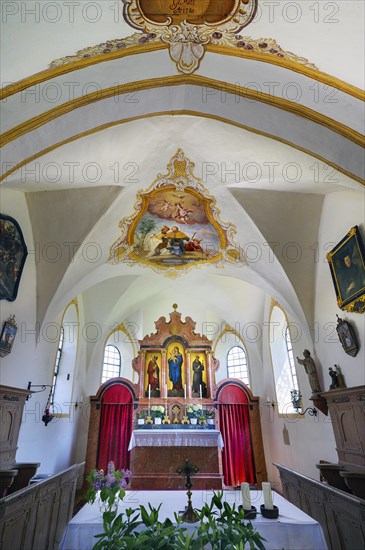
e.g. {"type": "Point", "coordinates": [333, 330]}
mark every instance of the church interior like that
{"type": "Point", "coordinates": [182, 232]}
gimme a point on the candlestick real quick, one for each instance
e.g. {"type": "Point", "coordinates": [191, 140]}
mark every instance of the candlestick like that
{"type": "Point", "coordinates": [185, 392]}
{"type": "Point", "coordinates": [200, 391]}
{"type": "Point", "coordinates": [246, 497]}
{"type": "Point", "coordinates": [267, 494]}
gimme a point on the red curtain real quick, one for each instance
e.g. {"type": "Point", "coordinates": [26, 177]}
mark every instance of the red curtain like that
{"type": "Point", "coordinates": [234, 420]}
{"type": "Point", "coordinates": [115, 427]}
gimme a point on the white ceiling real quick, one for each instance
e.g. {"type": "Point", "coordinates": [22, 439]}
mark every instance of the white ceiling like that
{"type": "Point", "coordinates": [244, 170]}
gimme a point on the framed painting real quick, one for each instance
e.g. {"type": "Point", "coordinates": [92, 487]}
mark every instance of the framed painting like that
{"type": "Point", "coordinates": [13, 253]}
{"type": "Point", "coordinates": [347, 337]}
{"type": "Point", "coordinates": [7, 336]}
{"type": "Point", "coordinates": [153, 372]}
{"type": "Point", "coordinates": [347, 265]}
{"type": "Point", "coordinates": [176, 369]}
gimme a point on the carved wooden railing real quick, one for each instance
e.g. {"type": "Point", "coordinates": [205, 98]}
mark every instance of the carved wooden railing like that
{"type": "Point", "coordinates": [341, 515]}
{"type": "Point", "coordinates": [35, 517]}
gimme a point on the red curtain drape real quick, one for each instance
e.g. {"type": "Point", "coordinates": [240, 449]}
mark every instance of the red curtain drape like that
{"type": "Point", "coordinates": [115, 427]}
{"type": "Point", "coordinates": [234, 420]}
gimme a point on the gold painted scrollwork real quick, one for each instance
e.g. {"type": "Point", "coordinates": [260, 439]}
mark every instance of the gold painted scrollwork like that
{"type": "Point", "coordinates": [188, 25]}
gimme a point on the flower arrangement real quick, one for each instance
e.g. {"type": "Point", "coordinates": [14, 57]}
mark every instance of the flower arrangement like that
{"type": "Point", "coordinates": [210, 413]}
{"type": "Point", "coordinates": [194, 411]}
{"type": "Point", "coordinates": [142, 414]}
{"type": "Point", "coordinates": [157, 411]}
{"type": "Point", "coordinates": [107, 486]}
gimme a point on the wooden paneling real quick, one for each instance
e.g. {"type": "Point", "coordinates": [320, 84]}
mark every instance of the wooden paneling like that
{"type": "Point", "coordinates": [347, 410]}
{"type": "Point", "coordinates": [341, 515]}
{"type": "Point", "coordinates": [35, 518]}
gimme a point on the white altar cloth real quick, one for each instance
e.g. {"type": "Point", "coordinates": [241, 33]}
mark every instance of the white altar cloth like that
{"type": "Point", "coordinates": [176, 438]}
{"type": "Point", "coordinates": [293, 530]}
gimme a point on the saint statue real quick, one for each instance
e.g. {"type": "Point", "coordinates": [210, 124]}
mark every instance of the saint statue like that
{"type": "Point", "coordinates": [310, 369]}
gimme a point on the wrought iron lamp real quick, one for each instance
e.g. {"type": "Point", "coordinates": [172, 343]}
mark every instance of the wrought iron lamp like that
{"type": "Point", "coordinates": [296, 399]}
{"type": "Point", "coordinates": [47, 417]}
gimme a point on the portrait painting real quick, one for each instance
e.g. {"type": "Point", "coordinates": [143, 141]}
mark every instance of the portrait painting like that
{"type": "Point", "coordinates": [175, 369]}
{"type": "Point", "coordinates": [347, 265]}
{"type": "Point", "coordinates": [13, 253]}
{"type": "Point", "coordinates": [153, 374]}
{"type": "Point", "coordinates": [7, 337]}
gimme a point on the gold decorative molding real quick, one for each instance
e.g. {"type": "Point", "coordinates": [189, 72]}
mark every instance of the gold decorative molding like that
{"type": "Point", "coordinates": [182, 112]}
{"type": "Point", "coordinates": [176, 225]}
{"type": "Point", "coordinates": [178, 80]}
{"type": "Point", "coordinates": [187, 26]}
{"type": "Point", "coordinates": [81, 61]}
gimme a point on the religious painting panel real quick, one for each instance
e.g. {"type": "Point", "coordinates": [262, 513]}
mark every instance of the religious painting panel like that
{"type": "Point", "coordinates": [153, 374]}
{"type": "Point", "coordinates": [347, 265]}
{"type": "Point", "coordinates": [176, 360]}
{"type": "Point", "coordinates": [176, 225]}
{"type": "Point", "coordinates": [198, 374]}
{"type": "Point", "coordinates": [13, 253]}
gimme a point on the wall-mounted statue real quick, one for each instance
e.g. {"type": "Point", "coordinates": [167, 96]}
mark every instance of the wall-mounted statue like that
{"type": "Point", "coordinates": [311, 370]}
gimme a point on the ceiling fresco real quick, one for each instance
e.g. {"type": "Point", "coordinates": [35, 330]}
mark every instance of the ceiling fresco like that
{"type": "Point", "coordinates": [176, 225]}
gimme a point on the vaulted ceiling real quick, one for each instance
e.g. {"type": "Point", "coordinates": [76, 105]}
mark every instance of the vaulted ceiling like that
{"type": "Point", "coordinates": [269, 138]}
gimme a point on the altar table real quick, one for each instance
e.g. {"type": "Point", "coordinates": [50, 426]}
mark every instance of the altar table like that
{"type": "Point", "coordinates": [292, 530]}
{"type": "Point", "coordinates": [157, 454]}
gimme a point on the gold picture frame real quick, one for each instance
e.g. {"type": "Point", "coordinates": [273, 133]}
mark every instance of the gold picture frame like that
{"type": "Point", "coordinates": [347, 265]}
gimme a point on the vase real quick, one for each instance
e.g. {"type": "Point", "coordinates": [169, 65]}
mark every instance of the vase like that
{"type": "Point", "coordinates": [210, 421]}
{"type": "Point", "coordinates": [157, 420]}
{"type": "Point", "coordinates": [105, 507]}
{"type": "Point", "coordinates": [140, 421]}
{"type": "Point", "coordinates": [193, 421]}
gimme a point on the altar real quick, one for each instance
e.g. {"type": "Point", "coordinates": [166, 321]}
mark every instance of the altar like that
{"type": "Point", "coordinates": [293, 529]}
{"type": "Point", "coordinates": [156, 454]}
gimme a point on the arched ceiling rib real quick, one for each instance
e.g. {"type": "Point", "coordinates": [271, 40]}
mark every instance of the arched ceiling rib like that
{"type": "Point", "coordinates": [329, 130]}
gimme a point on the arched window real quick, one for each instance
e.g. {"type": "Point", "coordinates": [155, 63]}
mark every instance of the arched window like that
{"type": "Point", "coordinates": [289, 349]}
{"type": "Point", "coordinates": [111, 363]}
{"type": "Point", "coordinates": [285, 374]}
{"type": "Point", "coordinates": [57, 364]}
{"type": "Point", "coordinates": [237, 366]}
{"type": "Point", "coordinates": [65, 363]}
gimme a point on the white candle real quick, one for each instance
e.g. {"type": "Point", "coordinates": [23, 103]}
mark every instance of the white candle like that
{"type": "Point", "coordinates": [185, 392]}
{"type": "Point", "coordinates": [166, 390]}
{"type": "Point", "coordinates": [149, 391]}
{"type": "Point", "coordinates": [200, 391]}
{"type": "Point", "coordinates": [246, 497]}
{"type": "Point", "coordinates": [266, 491]}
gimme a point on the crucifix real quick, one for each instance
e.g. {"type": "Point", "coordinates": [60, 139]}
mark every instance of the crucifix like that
{"type": "Point", "coordinates": [187, 470]}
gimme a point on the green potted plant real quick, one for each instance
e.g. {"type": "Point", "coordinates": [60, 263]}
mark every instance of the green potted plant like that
{"type": "Point", "coordinates": [210, 416]}
{"type": "Point", "coordinates": [141, 417]}
{"type": "Point", "coordinates": [194, 412]}
{"type": "Point", "coordinates": [157, 412]}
